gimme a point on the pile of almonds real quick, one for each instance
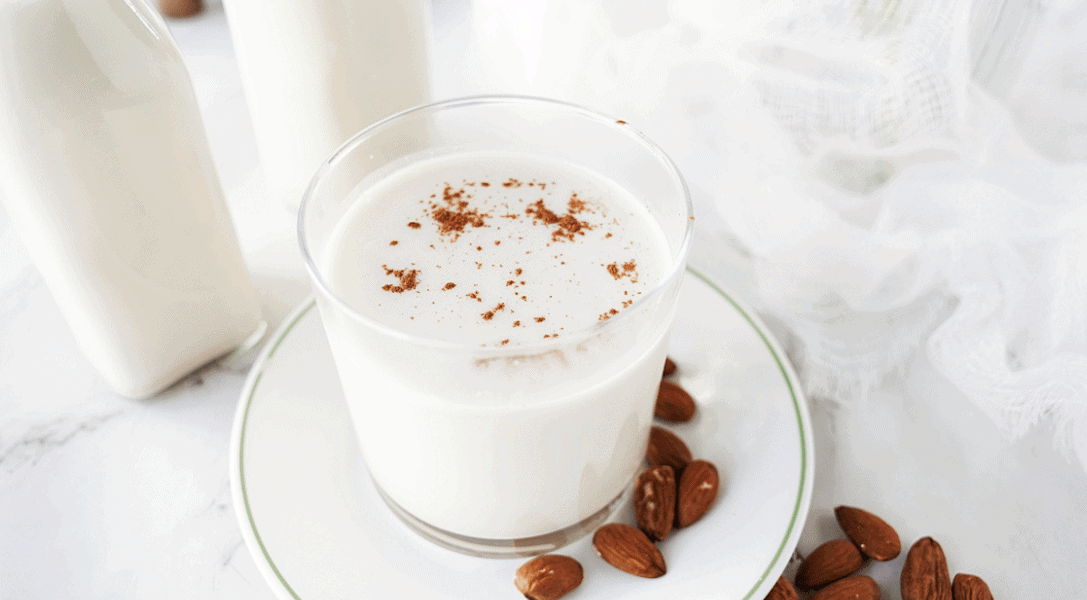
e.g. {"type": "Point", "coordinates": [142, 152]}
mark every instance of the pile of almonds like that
{"type": "Point", "coordinates": [674, 492]}
{"type": "Point", "coordinates": [829, 571]}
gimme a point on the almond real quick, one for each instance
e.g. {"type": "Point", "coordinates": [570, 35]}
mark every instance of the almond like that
{"type": "Point", "coordinates": [828, 563]}
{"type": "Point", "coordinates": [665, 448]}
{"type": "Point", "coordinates": [970, 587]}
{"type": "Point", "coordinates": [179, 9]}
{"type": "Point", "coordinates": [924, 574]}
{"type": "Point", "coordinates": [628, 549]}
{"type": "Point", "coordinates": [872, 535]}
{"type": "Point", "coordinates": [548, 577]}
{"type": "Point", "coordinates": [860, 587]}
{"type": "Point", "coordinates": [782, 590]}
{"type": "Point", "coordinates": [669, 367]}
{"type": "Point", "coordinates": [673, 403]}
{"type": "Point", "coordinates": [697, 491]}
{"type": "Point", "coordinates": [655, 501]}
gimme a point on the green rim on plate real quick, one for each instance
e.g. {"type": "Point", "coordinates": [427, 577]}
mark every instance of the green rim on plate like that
{"type": "Point", "coordinates": [275, 343]}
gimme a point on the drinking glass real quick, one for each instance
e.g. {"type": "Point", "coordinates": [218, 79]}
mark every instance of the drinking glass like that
{"type": "Point", "coordinates": [500, 451]}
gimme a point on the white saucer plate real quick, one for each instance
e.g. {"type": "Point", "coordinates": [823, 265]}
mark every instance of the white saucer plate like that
{"type": "Point", "coordinates": [318, 530]}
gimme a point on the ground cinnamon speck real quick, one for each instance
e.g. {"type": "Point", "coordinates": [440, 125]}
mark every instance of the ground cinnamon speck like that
{"type": "Point", "coordinates": [408, 280]}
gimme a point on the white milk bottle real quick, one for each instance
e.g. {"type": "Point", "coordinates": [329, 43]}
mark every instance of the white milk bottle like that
{"type": "Point", "coordinates": [106, 172]}
{"type": "Point", "coordinates": [315, 72]}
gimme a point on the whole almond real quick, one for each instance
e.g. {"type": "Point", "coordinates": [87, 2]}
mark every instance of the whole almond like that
{"type": "Point", "coordinates": [924, 574]}
{"type": "Point", "coordinates": [179, 9]}
{"type": "Point", "coordinates": [698, 487]}
{"type": "Point", "coordinates": [669, 367]}
{"type": "Point", "coordinates": [872, 535]}
{"type": "Point", "coordinates": [628, 549]}
{"type": "Point", "coordinates": [655, 501]}
{"type": "Point", "coordinates": [673, 403]}
{"type": "Point", "coordinates": [548, 577]}
{"type": "Point", "coordinates": [828, 563]}
{"type": "Point", "coordinates": [860, 587]}
{"type": "Point", "coordinates": [665, 448]}
{"type": "Point", "coordinates": [970, 587]}
{"type": "Point", "coordinates": [782, 590]}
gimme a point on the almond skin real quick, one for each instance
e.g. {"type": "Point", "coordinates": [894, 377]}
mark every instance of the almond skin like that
{"type": "Point", "coordinates": [673, 403]}
{"type": "Point", "coordinates": [628, 549]}
{"type": "Point", "coordinates": [782, 590]}
{"type": "Point", "coordinates": [828, 563]}
{"type": "Point", "coordinates": [669, 367]}
{"type": "Point", "coordinates": [860, 587]}
{"type": "Point", "coordinates": [665, 448]}
{"type": "Point", "coordinates": [548, 577]}
{"type": "Point", "coordinates": [970, 587]}
{"type": "Point", "coordinates": [924, 574]}
{"type": "Point", "coordinates": [655, 501]}
{"type": "Point", "coordinates": [872, 535]}
{"type": "Point", "coordinates": [698, 487]}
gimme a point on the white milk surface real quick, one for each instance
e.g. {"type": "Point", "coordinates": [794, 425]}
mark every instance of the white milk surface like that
{"type": "Point", "coordinates": [510, 275]}
{"type": "Point", "coordinates": [106, 173]}
{"type": "Point", "coordinates": [485, 254]}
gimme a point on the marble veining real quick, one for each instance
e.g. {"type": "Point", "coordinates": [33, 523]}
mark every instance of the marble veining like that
{"type": "Point", "coordinates": [25, 443]}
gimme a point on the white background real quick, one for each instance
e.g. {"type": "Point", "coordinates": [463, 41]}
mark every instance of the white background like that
{"type": "Point", "coordinates": [102, 497]}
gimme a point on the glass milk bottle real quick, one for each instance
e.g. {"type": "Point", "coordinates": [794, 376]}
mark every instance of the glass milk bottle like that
{"type": "Point", "coordinates": [106, 173]}
{"type": "Point", "coordinates": [315, 72]}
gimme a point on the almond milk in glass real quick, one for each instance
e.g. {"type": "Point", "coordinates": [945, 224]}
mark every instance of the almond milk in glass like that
{"type": "Point", "coordinates": [497, 278]}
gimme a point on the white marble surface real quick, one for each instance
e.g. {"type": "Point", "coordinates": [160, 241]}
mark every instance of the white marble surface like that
{"type": "Point", "coordinates": [102, 497]}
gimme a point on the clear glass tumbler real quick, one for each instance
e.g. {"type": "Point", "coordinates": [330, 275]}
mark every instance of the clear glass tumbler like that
{"type": "Point", "coordinates": [496, 450]}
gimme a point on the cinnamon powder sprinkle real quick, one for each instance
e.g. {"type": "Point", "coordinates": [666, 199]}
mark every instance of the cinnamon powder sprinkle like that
{"type": "Point", "coordinates": [541, 319]}
{"type": "Point", "coordinates": [408, 280]}
{"type": "Point", "coordinates": [487, 316]}
{"type": "Point", "coordinates": [449, 286]}
{"type": "Point", "coordinates": [414, 225]}
{"type": "Point", "coordinates": [393, 243]}
{"type": "Point", "coordinates": [568, 225]}
{"type": "Point", "coordinates": [628, 269]}
{"type": "Point", "coordinates": [575, 205]}
{"type": "Point", "coordinates": [456, 214]}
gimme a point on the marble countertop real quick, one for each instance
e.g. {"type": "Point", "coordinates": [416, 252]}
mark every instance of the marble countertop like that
{"type": "Point", "coordinates": [103, 497]}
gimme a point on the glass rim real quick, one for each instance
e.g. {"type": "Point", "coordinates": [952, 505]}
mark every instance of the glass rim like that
{"type": "Point", "coordinates": [676, 270]}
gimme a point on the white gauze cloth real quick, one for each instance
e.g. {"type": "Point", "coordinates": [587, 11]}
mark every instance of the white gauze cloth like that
{"type": "Point", "coordinates": [899, 175]}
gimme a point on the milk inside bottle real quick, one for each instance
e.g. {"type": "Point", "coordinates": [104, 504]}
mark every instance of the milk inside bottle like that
{"type": "Point", "coordinates": [105, 171]}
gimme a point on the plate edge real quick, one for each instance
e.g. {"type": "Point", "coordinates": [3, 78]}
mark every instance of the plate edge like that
{"type": "Point", "coordinates": [774, 569]}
